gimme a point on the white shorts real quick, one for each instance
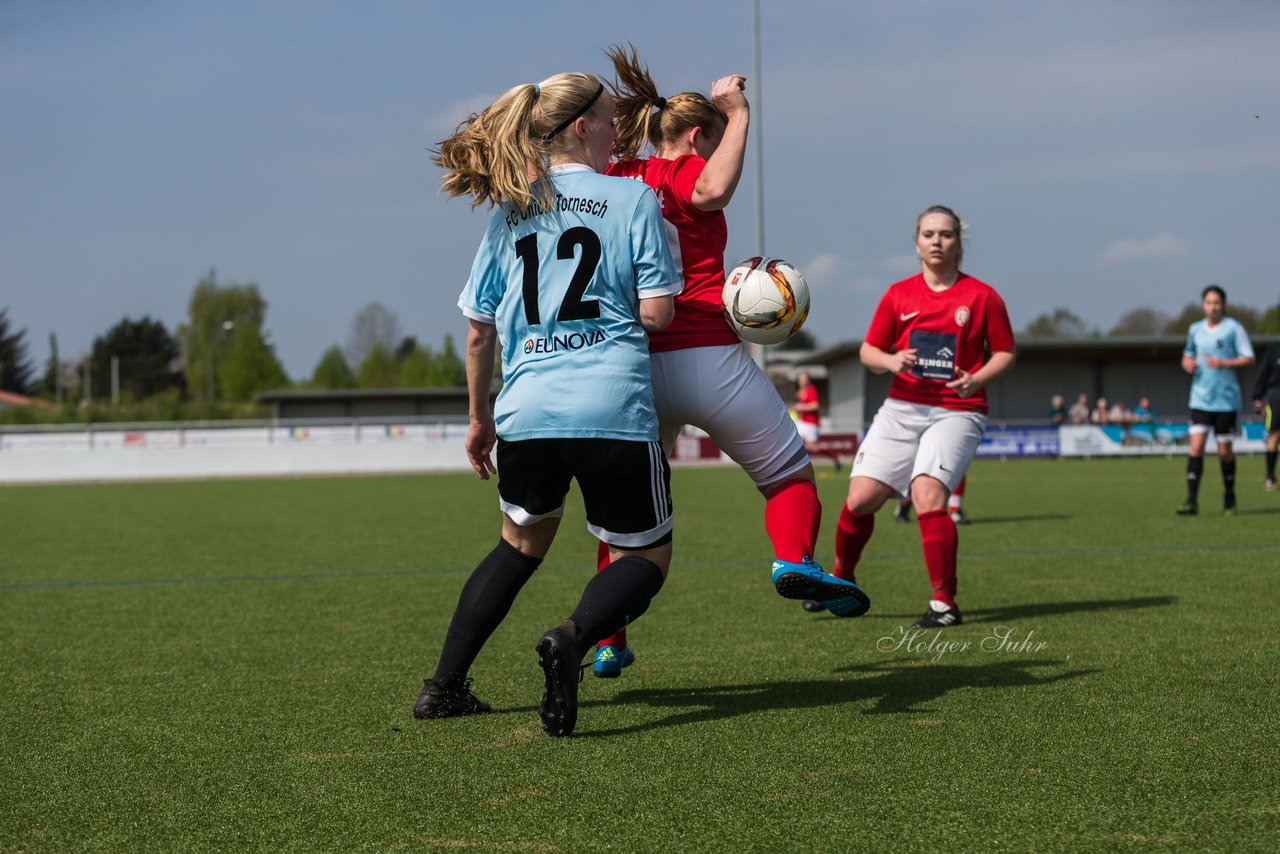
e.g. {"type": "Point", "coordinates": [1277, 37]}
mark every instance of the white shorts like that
{"type": "Point", "coordinates": [907, 440]}
{"type": "Point", "coordinates": [722, 391]}
{"type": "Point", "coordinates": [808, 431]}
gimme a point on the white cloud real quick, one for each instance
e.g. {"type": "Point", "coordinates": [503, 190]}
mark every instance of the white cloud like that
{"type": "Point", "coordinates": [906, 264]}
{"type": "Point", "coordinates": [824, 269]}
{"type": "Point", "coordinates": [1162, 247]}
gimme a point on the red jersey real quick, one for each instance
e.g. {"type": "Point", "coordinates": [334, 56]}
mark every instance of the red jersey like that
{"type": "Point", "coordinates": [697, 239]}
{"type": "Point", "coordinates": [949, 329]}
{"type": "Point", "coordinates": [808, 394]}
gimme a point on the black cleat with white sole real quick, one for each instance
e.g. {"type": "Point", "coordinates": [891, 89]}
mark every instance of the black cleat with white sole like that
{"type": "Point", "coordinates": [939, 619]}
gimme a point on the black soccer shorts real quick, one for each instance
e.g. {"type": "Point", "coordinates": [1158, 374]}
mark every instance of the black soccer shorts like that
{"type": "Point", "coordinates": [626, 486]}
{"type": "Point", "coordinates": [1223, 424]}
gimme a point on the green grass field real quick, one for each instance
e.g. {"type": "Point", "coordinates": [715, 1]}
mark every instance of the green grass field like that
{"type": "Point", "coordinates": [232, 665]}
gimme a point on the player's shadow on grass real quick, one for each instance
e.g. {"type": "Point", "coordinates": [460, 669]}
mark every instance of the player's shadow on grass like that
{"type": "Point", "coordinates": [1011, 613]}
{"type": "Point", "coordinates": [1030, 517]}
{"type": "Point", "coordinates": [894, 687]}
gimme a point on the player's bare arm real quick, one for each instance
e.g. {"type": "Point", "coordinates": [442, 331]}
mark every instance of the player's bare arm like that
{"type": "Point", "coordinates": [878, 361]}
{"type": "Point", "coordinates": [719, 178]}
{"type": "Point", "coordinates": [482, 435]}
{"type": "Point", "coordinates": [657, 312]}
{"type": "Point", "coordinates": [1237, 362]}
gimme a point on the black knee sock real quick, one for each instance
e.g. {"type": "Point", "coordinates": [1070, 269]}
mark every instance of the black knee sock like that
{"type": "Point", "coordinates": [1271, 465]}
{"type": "Point", "coordinates": [485, 600]}
{"type": "Point", "coordinates": [1228, 481]}
{"type": "Point", "coordinates": [1195, 468]}
{"type": "Point", "coordinates": [614, 597]}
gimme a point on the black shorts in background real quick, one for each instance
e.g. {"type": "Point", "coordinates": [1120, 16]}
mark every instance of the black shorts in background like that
{"type": "Point", "coordinates": [1223, 423]}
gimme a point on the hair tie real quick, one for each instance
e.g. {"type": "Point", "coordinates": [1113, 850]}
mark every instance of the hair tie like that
{"type": "Point", "coordinates": [661, 103]}
{"type": "Point", "coordinates": [581, 112]}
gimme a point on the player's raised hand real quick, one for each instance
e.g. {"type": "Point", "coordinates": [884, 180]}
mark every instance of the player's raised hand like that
{"type": "Point", "coordinates": [728, 94]}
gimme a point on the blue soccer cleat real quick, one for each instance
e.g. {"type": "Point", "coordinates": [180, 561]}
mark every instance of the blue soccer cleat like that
{"type": "Point", "coordinates": [610, 660]}
{"type": "Point", "coordinates": [806, 580]}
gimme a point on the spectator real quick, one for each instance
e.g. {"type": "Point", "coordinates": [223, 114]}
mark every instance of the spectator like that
{"type": "Point", "coordinates": [1119, 414]}
{"type": "Point", "coordinates": [1101, 414]}
{"type": "Point", "coordinates": [1079, 411]}
{"type": "Point", "coordinates": [1142, 428]}
{"type": "Point", "coordinates": [1057, 410]}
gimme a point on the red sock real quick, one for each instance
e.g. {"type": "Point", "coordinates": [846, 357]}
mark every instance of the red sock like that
{"type": "Point", "coordinates": [618, 638]}
{"type": "Point", "coordinates": [852, 533]}
{"type": "Point", "coordinates": [960, 486]}
{"type": "Point", "coordinates": [939, 541]}
{"type": "Point", "coordinates": [792, 515]}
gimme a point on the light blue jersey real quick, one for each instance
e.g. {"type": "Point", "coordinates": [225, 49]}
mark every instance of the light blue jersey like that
{"type": "Point", "coordinates": [1216, 389]}
{"type": "Point", "coordinates": [563, 286]}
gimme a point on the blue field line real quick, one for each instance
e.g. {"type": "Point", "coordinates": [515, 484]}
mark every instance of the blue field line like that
{"type": "Point", "coordinates": [754, 560]}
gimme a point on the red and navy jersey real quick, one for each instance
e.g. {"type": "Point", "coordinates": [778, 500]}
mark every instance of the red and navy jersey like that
{"type": "Point", "coordinates": [949, 329]}
{"type": "Point", "coordinates": [697, 239]}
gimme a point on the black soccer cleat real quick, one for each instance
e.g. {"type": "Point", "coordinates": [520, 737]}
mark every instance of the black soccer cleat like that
{"type": "Point", "coordinates": [1187, 508]}
{"type": "Point", "coordinates": [437, 702]}
{"type": "Point", "coordinates": [939, 619]}
{"type": "Point", "coordinates": [902, 514]}
{"type": "Point", "coordinates": [561, 661]}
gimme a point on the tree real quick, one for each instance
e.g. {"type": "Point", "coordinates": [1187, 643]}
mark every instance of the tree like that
{"type": "Point", "coordinates": [148, 358]}
{"type": "Point", "coordinates": [448, 370]}
{"type": "Point", "coordinates": [1250, 318]}
{"type": "Point", "coordinates": [15, 366]}
{"type": "Point", "coordinates": [379, 369]}
{"type": "Point", "coordinates": [332, 371]}
{"type": "Point", "coordinates": [416, 368]}
{"type": "Point", "coordinates": [1141, 321]}
{"type": "Point", "coordinates": [1062, 323]}
{"type": "Point", "coordinates": [1191, 312]}
{"type": "Point", "coordinates": [215, 312]}
{"type": "Point", "coordinates": [1270, 322]}
{"type": "Point", "coordinates": [51, 383]}
{"type": "Point", "coordinates": [250, 366]}
{"type": "Point", "coordinates": [375, 325]}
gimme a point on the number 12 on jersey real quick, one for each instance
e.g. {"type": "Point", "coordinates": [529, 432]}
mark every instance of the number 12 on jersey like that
{"type": "Point", "coordinates": [573, 306]}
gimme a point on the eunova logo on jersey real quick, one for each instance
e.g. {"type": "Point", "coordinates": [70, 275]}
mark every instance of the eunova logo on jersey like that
{"type": "Point", "coordinates": [935, 355]}
{"type": "Point", "coordinates": [557, 343]}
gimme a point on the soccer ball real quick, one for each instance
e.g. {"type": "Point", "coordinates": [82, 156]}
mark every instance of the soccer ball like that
{"type": "Point", "coordinates": [766, 300]}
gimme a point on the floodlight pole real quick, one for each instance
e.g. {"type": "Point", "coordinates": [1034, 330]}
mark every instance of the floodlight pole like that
{"type": "Point", "coordinates": [758, 350]}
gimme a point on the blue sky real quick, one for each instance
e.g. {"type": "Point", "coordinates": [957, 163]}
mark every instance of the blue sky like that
{"type": "Point", "coordinates": [1106, 154]}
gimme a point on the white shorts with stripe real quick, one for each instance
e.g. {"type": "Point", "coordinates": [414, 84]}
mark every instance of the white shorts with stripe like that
{"type": "Point", "coordinates": [907, 440]}
{"type": "Point", "coordinates": [723, 392]}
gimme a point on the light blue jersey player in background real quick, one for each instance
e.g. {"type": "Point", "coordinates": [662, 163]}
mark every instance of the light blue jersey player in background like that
{"type": "Point", "coordinates": [573, 269]}
{"type": "Point", "coordinates": [1216, 347]}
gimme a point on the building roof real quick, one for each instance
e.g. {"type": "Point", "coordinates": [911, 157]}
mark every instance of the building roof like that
{"type": "Point", "coordinates": [9, 398]}
{"type": "Point", "coordinates": [1120, 348]}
